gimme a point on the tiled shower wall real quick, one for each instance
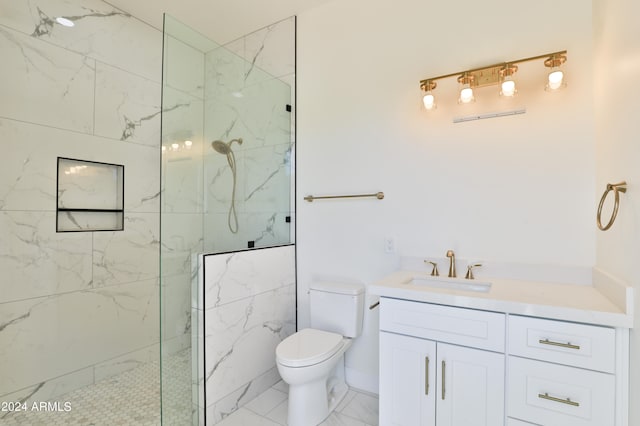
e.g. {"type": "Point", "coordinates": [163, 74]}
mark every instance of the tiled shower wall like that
{"type": "Point", "coordinates": [249, 94]}
{"type": "Point", "coordinates": [213, 92]}
{"type": "Point", "coordinates": [76, 307]}
{"type": "Point", "coordinates": [245, 306]}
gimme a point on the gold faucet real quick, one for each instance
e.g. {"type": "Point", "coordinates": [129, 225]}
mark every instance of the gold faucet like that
{"type": "Point", "coordinates": [469, 275]}
{"type": "Point", "coordinates": [434, 271]}
{"type": "Point", "coordinates": [452, 263]}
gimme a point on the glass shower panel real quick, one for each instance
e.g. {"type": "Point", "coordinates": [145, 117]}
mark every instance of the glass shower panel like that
{"type": "Point", "coordinates": [256, 110]}
{"type": "Point", "coordinates": [227, 179]}
{"type": "Point", "coordinates": [181, 225]}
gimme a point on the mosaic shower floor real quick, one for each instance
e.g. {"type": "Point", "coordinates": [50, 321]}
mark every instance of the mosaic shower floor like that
{"type": "Point", "coordinates": [131, 398]}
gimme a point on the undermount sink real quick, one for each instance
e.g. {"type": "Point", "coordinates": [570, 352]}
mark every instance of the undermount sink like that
{"type": "Point", "coordinates": [450, 283]}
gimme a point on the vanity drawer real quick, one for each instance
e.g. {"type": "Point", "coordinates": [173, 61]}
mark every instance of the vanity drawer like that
{"type": "Point", "coordinates": [579, 345]}
{"type": "Point", "coordinates": [551, 395]}
{"type": "Point", "coordinates": [466, 327]}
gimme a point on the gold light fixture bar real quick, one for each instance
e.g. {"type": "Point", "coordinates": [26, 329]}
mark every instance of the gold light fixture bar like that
{"type": "Point", "coordinates": [489, 75]}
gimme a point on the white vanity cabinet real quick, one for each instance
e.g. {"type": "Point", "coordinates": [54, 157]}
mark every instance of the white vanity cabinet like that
{"type": "Point", "coordinates": [451, 366]}
{"type": "Point", "coordinates": [426, 380]}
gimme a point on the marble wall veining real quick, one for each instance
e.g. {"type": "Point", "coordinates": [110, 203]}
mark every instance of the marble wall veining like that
{"type": "Point", "coordinates": [249, 94]}
{"type": "Point", "coordinates": [246, 303]}
{"type": "Point", "coordinates": [213, 92]}
{"type": "Point", "coordinates": [76, 307]}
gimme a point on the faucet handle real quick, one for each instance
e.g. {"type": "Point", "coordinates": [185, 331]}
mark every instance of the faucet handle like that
{"type": "Point", "coordinates": [434, 271]}
{"type": "Point", "coordinates": [469, 275]}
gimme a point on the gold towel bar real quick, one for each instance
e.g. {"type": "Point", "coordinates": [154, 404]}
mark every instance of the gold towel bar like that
{"type": "Point", "coordinates": [616, 188]}
{"type": "Point", "coordinates": [378, 195]}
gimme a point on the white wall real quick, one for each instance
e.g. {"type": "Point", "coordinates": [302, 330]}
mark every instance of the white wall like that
{"type": "Point", "coordinates": [515, 189]}
{"type": "Point", "coordinates": [617, 102]}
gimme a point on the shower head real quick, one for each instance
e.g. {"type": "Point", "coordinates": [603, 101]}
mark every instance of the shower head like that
{"type": "Point", "coordinates": [221, 147]}
{"type": "Point", "coordinates": [225, 148]}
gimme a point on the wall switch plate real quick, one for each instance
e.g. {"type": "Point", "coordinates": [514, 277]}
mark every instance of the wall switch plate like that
{"type": "Point", "coordinates": [389, 245]}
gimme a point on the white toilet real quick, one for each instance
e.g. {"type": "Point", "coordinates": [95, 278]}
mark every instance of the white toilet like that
{"type": "Point", "coordinates": [311, 361]}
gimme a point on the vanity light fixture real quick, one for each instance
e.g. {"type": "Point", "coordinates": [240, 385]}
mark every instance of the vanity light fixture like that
{"type": "Point", "coordinates": [497, 74]}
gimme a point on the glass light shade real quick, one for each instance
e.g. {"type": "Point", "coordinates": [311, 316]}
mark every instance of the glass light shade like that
{"type": "Point", "coordinates": [188, 144]}
{"type": "Point", "coordinates": [429, 101]}
{"type": "Point", "coordinates": [466, 95]}
{"type": "Point", "coordinates": [556, 80]}
{"type": "Point", "coordinates": [508, 87]}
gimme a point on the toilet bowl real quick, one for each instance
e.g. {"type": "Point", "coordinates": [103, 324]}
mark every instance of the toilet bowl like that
{"type": "Point", "coordinates": [312, 363]}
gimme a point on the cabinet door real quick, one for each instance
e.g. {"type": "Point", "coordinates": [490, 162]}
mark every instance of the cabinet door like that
{"type": "Point", "coordinates": [470, 387]}
{"type": "Point", "coordinates": [407, 380]}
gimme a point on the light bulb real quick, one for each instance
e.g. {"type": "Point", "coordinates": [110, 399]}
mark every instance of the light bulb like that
{"type": "Point", "coordinates": [429, 101]}
{"type": "Point", "coordinates": [175, 146]}
{"type": "Point", "coordinates": [508, 87]}
{"type": "Point", "coordinates": [555, 80]}
{"type": "Point", "coordinates": [466, 95]}
{"type": "Point", "coordinates": [188, 144]}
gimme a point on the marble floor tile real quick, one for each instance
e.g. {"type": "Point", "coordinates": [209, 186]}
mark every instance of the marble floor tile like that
{"type": "Point", "coordinates": [346, 400]}
{"type": "Point", "coordinates": [244, 417]}
{"type": "Point", "coordinates": [357, 409]}
{"type": "Point", "coordinates": [364, 407]}
{"type": "Point", "coordinates": [337, 419]}
{"type": "Point", "coordinates": [281, 386]}
{"type": "Point", "coordinates": [280, 413]}
{"type": "Point", "coordinates": [266, 401]}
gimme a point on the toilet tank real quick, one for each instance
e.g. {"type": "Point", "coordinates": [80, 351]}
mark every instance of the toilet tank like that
{"type": "Point", "coordinates": [337, 307]}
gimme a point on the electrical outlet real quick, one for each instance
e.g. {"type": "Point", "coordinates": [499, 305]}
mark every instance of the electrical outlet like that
{"type": "Point", "coordinates": [389, 245]}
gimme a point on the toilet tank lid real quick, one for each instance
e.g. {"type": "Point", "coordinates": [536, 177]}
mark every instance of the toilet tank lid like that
{"type": "Point", "coordinates": [335, 287]}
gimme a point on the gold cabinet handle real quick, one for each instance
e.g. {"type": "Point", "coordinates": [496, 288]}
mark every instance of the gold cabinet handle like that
{"type": "Point", "coordinates": [444, 365]}
{"type": "Point", "coordinates": [562, 345]}
{"type": "Point", "coordinates": [567, 401]}
{"type": "Point", "coordinates": [426, 375]}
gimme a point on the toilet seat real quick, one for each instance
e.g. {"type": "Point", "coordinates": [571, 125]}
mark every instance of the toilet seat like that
{"type": "Point", "coordinates": [308, 347]}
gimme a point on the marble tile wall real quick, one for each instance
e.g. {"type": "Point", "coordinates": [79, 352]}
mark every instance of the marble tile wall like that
{"type": "Point", "coordinates": [248, 85]}
{"type": "Point", "coordinates": [218, 93]}
{"type": "Point", "coordinates": [76, 307]}
{"type": "Point", "coordinates": [246, 302]}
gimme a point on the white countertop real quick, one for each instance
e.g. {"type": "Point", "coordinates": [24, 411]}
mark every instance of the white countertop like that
{"type": "Point", "coordinates": [571, 302]}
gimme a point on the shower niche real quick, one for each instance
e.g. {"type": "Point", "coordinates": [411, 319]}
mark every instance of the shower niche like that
{"type": "Point", "coordinates": [90, 196]}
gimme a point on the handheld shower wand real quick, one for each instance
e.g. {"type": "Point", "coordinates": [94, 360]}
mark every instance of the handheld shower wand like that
{"type": "Point", "coordinates": [225, 149]}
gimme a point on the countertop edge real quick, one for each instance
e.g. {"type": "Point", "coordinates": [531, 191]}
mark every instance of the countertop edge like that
{"type": "Point", "coordinates": [388, 287]}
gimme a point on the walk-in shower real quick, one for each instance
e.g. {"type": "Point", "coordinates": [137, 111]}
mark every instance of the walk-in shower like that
{"type": "Point", "coordinates": [226, 217]}
{"type": "Point", "coordinates": [225, 149]}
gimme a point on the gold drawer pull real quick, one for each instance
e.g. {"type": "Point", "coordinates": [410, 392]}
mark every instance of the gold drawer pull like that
{"type": "Point", "coordinates": [444, 367]}
{"type": "Point", "coordinates": [567, 401]}
{"type": "Point", "coordinates": [562, 345]}
{"type": "Point", "coordinates": [426, 375]}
